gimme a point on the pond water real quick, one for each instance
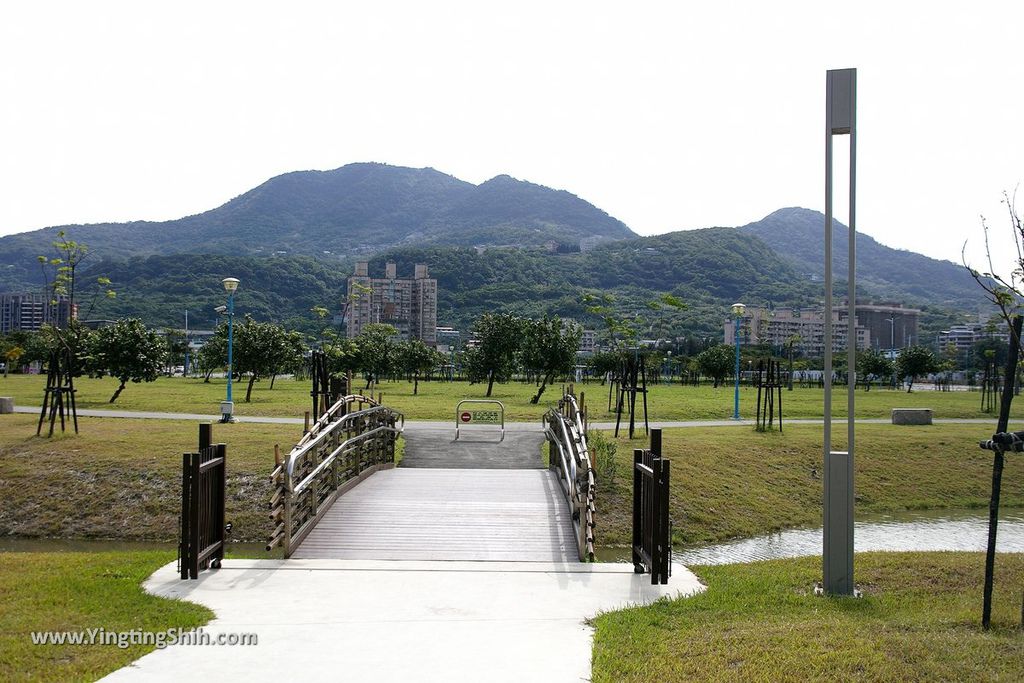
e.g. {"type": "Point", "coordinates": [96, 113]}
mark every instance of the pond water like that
{"type": "Point", "coordinates": [903, 531]}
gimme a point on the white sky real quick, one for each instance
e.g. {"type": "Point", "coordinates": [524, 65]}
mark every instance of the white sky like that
{"type": "Point", "coordinates": [666, 115]}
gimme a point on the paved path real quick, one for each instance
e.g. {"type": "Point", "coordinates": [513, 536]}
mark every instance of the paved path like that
{"type": "Point", "coordinates": [320, 620]}
{"type": "Point", "coordinates": [448, 514]}
{"type": "Point", "coordinates": [428, 447]}
{"type": "Point", "coordinates": [509, 426]}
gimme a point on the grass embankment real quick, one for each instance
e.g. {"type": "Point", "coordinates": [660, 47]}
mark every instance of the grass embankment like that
{"type": "Point", "coordinates": [732, 482]}
{"type": "Point", "coordinates": [919, 621]}
{"type": "Point", "coordinates": [121, 478]}
{"type": "Point", "coordinates": [74, 592]}
{"type": "Point", "coordinates": [437, 400]}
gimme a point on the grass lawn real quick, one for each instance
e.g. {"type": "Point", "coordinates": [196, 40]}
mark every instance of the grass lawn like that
{"type": "Point", "coordinates": [121, 478]}
{"type": "Point", "coordinates": [437, 400]}
{"type": "Point", "coordinates": [920, 621]}
{"type": "Point", "coordinates": [730, 482]}
{"type": "Point", "coordinates": [77, 591]}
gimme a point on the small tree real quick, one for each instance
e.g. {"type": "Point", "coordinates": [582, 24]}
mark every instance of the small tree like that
{"type": "Point", "coordinates": [259, 349]}
{"type": "Point", "coordinates": [377, 351]}
{"type": "Point", "coordinates": [498, 335]}
{"type": "Point", "coordinates": [214, 353]}
{"type": "Point", "coordinates": [548, 348]}
{"type": "Point", "coordinates": [716, 362]}
{"type": "Point", "coordinates": [914, 361]}
{"type": "Point", "coordinates": [416, 358]}
{"type": "Point", "coordinates": [126, 350]}
{"type": "Point", "coordinates": [873, 364]}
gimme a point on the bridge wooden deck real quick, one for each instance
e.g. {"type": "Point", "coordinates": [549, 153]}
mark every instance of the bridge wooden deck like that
{"type": "Point", "coordinates": [448, 514]}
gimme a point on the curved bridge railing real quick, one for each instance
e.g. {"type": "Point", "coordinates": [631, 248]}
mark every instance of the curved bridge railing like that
{"type": "Point", "coordinates": [565, 427]}
{"type": "Point", "coordinates": [342, 448]}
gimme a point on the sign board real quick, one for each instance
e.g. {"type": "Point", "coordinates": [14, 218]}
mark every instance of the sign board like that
{"type": "Point", "coordinates": [487, 417]}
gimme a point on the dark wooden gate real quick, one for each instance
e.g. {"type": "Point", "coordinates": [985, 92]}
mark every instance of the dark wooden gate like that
{"type": "Point", "coordinates": [652, 529]}
{"type": "Point", "coordinates": [203, 477]}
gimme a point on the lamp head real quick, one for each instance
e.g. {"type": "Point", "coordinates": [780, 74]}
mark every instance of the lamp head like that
{"type": "Point", "coordinates": [737, 309]}
{"type": "Point", "coordinates": [230, 283]}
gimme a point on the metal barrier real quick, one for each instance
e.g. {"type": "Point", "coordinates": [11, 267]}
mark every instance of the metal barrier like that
{"type": "Point", "coordinates": [468, 417]}
{"type": "Point", "coordinates": [569, 456]}
{"type": "Point", "coordinates": [652, 529]}
{"type": "Point", "coordinates": [340, 450]}
{"type": "Point", "coordinates": [203, 477]}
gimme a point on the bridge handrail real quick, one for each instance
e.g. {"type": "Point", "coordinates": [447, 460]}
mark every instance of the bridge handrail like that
{"type": "Point", "coordinates": [568, 464]}
{"type": "Point", "coordinates": [501, 406]}
{"type": "Point", "coordinates": [301, 448]}
{"type": "Point", "coordinates": [575, 468]}
{"type": "Point", "coordinates": [329, 416]}
{"type": "Point", "coordinates": [366, 439]}
{"type": "Point", "coordinates": [342, 448]}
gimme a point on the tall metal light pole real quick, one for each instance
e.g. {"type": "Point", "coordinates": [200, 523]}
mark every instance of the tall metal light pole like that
{"type": "Point", "coordinates": [227, 408]}
{"type": "Point", "coordinates": [837, 542]}
{"type": "Point", "coordinates": [737, 311]}
{"type": "Point", "coordinates": [185, 369]}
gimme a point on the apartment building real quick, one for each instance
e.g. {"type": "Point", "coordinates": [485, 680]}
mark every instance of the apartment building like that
{"type": "Point", "coordinates": [407, 304]}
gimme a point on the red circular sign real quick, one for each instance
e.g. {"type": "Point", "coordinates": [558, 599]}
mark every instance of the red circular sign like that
{"type": "Point", "coordinates": [466, 417]}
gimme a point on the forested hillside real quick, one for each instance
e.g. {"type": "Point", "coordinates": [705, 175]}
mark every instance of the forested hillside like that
{"type": "Point", "coordinates": [798, 235]}
{"type": "Point", "coordinates": [355, 209]}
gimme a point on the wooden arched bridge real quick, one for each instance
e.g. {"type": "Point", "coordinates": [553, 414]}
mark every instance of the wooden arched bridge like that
{"type": "Point", "coordinates": [480, 494]}
{"type": "Point", "coordinates": [476, 493]}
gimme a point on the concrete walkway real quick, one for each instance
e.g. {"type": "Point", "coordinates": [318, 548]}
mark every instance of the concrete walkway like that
{"type": "Point", "coordinates": [398, 621]}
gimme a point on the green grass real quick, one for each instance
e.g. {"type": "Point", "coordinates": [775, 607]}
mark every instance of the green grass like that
{"type": "Point", "coordinates": [731, 482]}
{"type": "Point", "coordinates": [437, 400]}
{"type": "Point", "coordinates": [121, 478]}
{"type": "Point", "coordinates": [920, 621]}
{"type": "Point", "coordinates": [76, 591]}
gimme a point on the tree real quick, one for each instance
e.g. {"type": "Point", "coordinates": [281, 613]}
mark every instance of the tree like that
{"type": "Point", "coordinates": [126, 350]}
{"type": "Point", "coordinates": [716, 362]}
{"type": "Point", "coordinates": [914, 361]}
{"type": "Point", "coordinates": [415, 358]}
{"type": "Point", "coordinates": [377, 351]}
{"type": "Point", "coordinates": [548, 348]}
{"type": "Point", "coordinates": [261, 350]}
{"type": "Point", "coordinates": [60, 275]}
{"type": "Point", "coordinates": [498, 336]}
{"type": "Point", "coordinates": [873, 364]}
{"type": "Point", "coordinates": [604, 362]}
{"type": "Point", "coordinates": [214, 353]}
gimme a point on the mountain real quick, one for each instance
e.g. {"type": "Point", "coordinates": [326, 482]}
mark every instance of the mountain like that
{"type": "Point", "coordinates": [358, 208]}
{"type": "Point", "coordinates": [709, 269]}
{"type": "Point", "coordinates": [797, 235]}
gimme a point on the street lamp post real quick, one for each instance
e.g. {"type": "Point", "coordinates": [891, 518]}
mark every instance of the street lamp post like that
{"type": "Point", "coordinates": [737, 311]}
{"type": "Point", "coordinates": [227, 408]}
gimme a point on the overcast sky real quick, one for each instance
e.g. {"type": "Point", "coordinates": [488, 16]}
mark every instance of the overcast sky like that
{"type": "Point", "coordinates": [668, 116]}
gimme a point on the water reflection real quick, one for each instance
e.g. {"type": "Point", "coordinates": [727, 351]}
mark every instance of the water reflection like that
{"type": "Point", "coordinates": [906, 531]}
{"type": "Point", "coordinates": [903, 531]}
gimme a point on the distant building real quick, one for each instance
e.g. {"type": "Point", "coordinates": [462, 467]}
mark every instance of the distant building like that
{"type": "Point", "coordinates": [448, 339]}
{"type": "Point", "coordinates": [408, 305]}
{"type": "Point", "coordinates": [964, 337]}
{"type": "Point", "coordinates": [777, 327]}
{"type": "Point", "coordinates": [891, 325]}
{"type": "Point", "coordinates": [29, 311]}
{"type": "Point", "coordinates": [588, 342]}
